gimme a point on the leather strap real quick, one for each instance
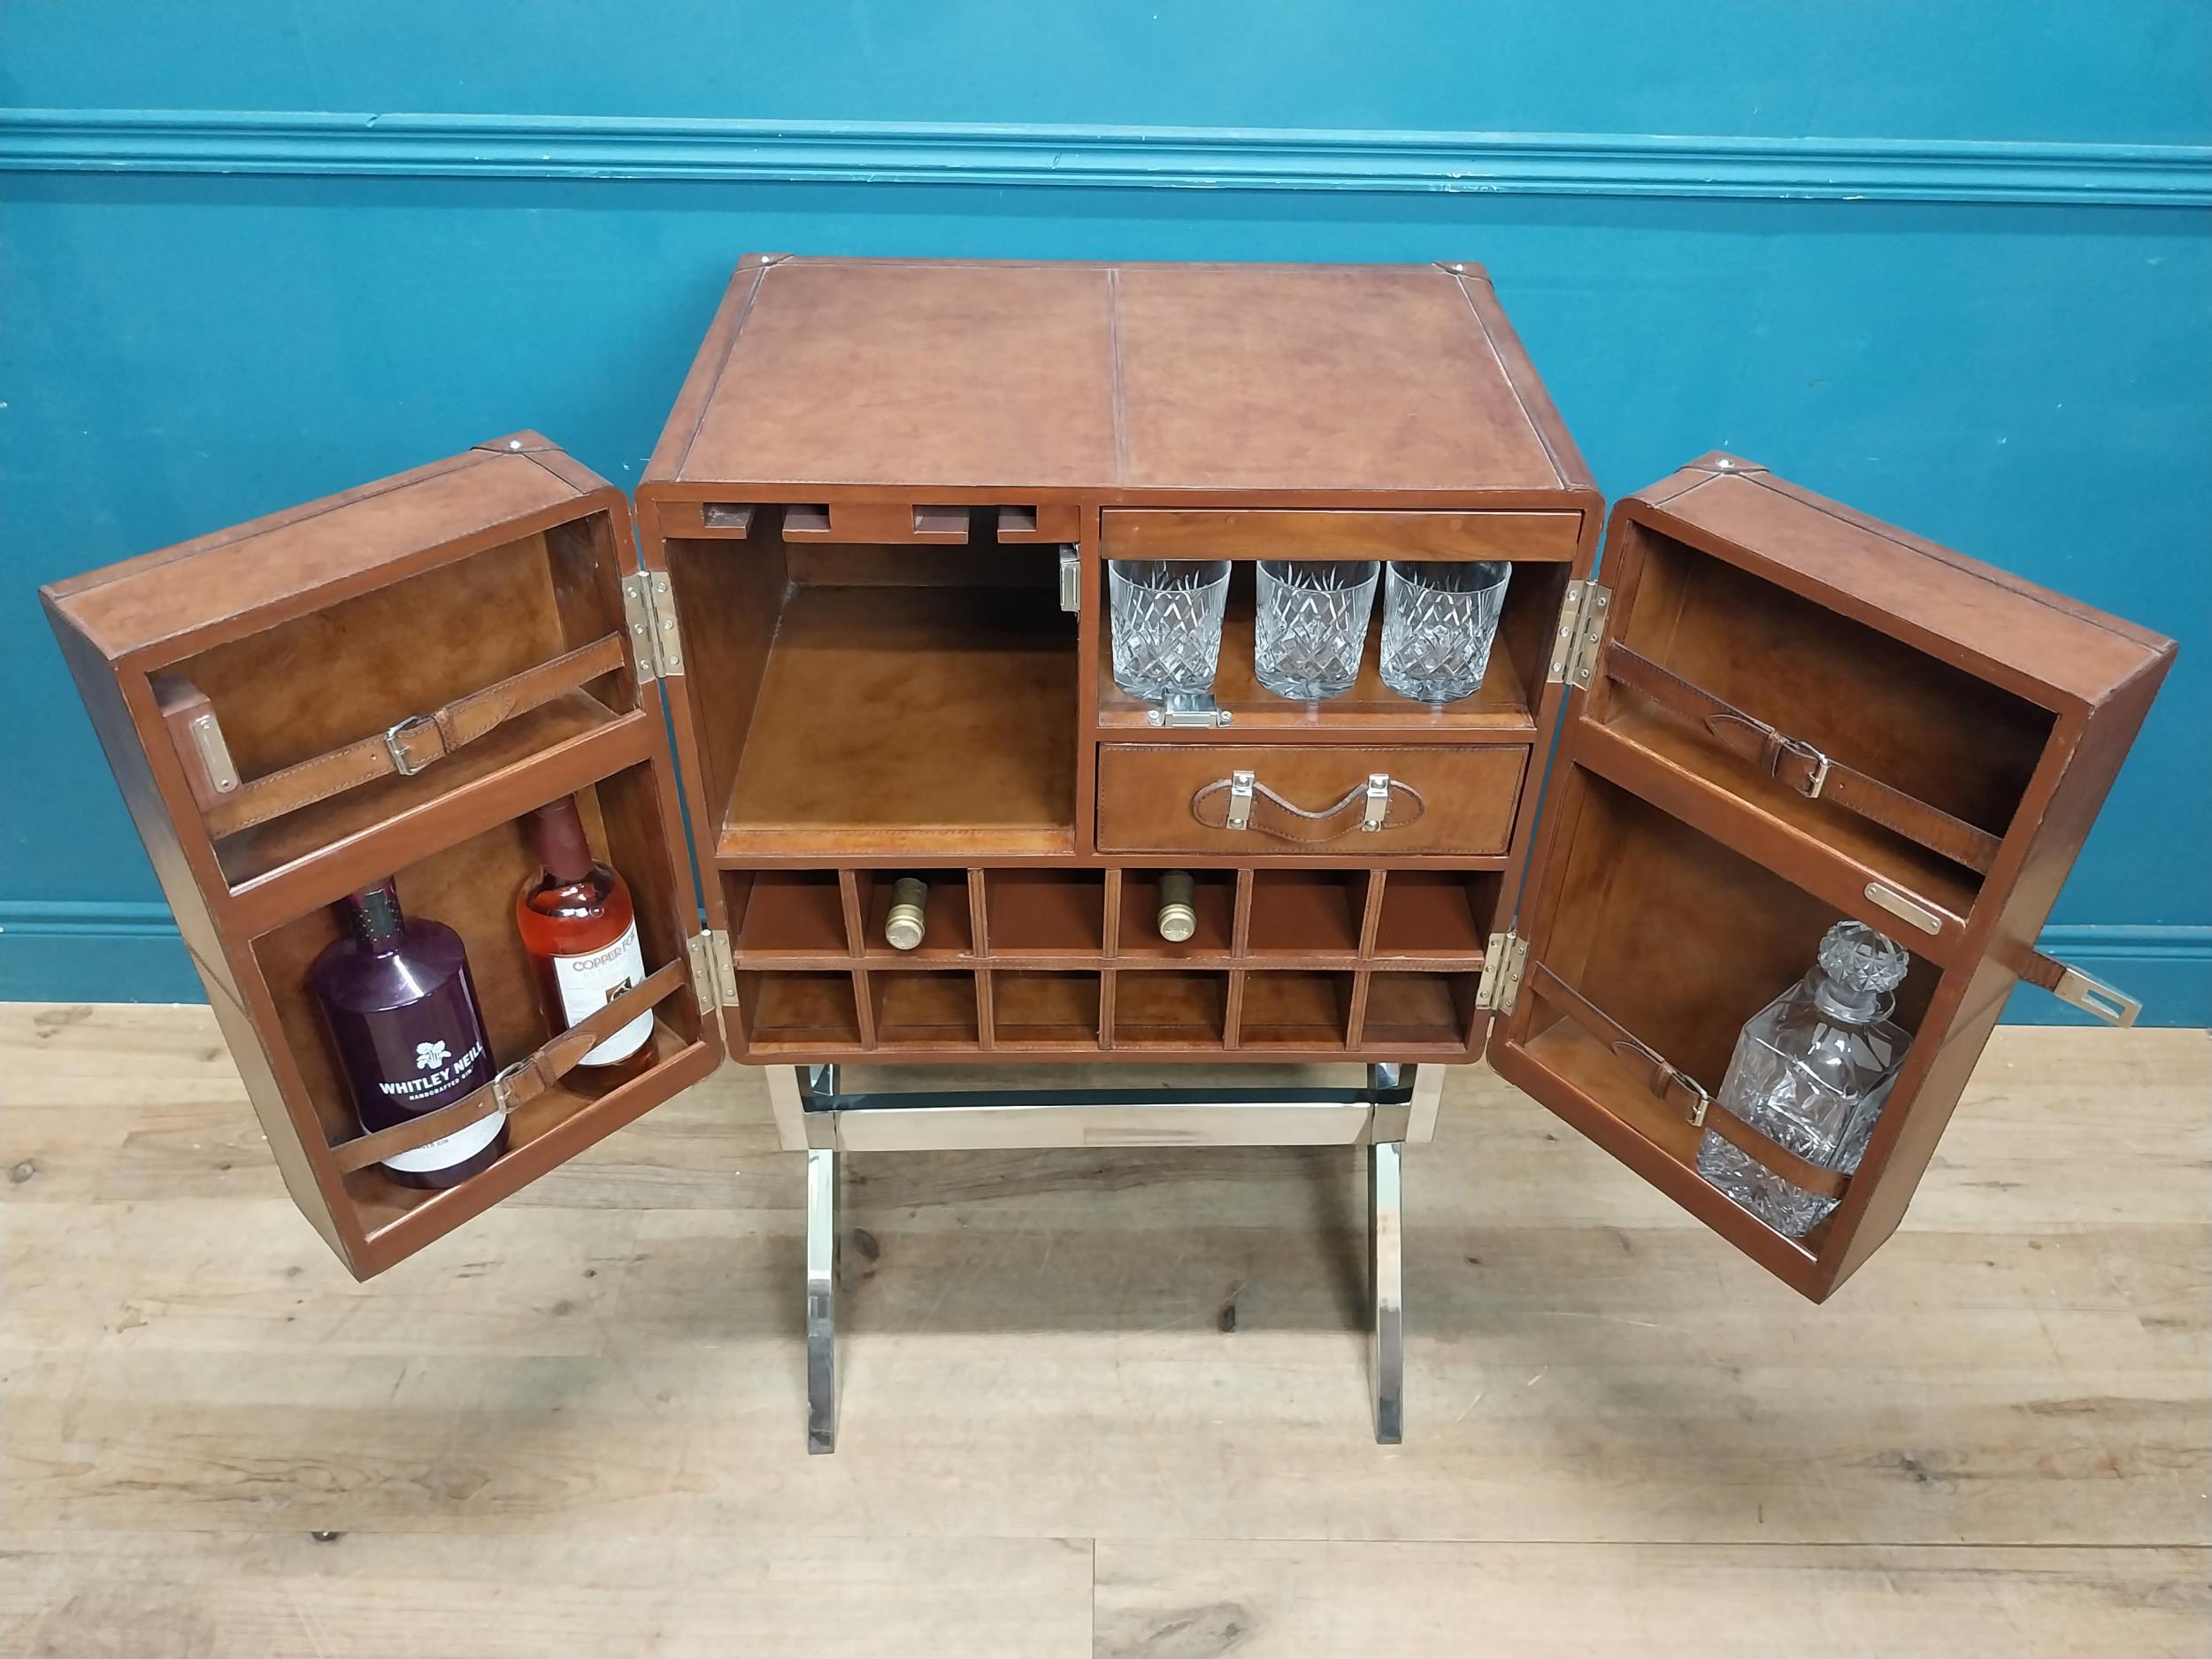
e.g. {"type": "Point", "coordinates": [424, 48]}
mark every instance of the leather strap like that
{"type": "Point", "coordinates": [415, 743]}
{"type": "Point", "coordinates": [1670, 1083]}
{"type": "Point", "coordinates": [519, 1084]}
{"type": "Point", "coordinates": [1268, 813]}
{"type": "Point", "coordinates": [1799, 764]}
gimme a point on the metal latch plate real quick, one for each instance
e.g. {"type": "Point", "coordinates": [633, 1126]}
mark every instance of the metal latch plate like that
{"type": "Point", "coordinates": [1238, 814]}
{"type": "Point", "coordinates": [1188, 707]}
{"type": "Point", "coordinates": [1071, 578]}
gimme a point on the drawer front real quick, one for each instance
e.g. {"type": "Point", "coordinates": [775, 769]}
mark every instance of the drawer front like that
{"type": "Point", "coordinates": [1172, 798]}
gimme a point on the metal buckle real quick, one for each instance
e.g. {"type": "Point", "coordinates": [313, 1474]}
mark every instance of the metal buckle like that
{"type": "Point", "coordinates": [1812, 786]}
{"type": "Point", "coordinates": [502, 1092]}
{"type": "Point", "coordinates": [1697, 1090]}
{"type": "Point", "coordinates": [392, 737]}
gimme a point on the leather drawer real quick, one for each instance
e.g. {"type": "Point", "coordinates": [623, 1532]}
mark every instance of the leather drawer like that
{"type": "Point", "coordinates": [1174, 797]}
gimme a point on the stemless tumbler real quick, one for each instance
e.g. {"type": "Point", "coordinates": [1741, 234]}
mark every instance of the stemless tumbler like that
{"type": "Point", "coordinates": [1309, 625]}
{"type": "Point", "coordinates": [1167, 623]}
{"type": "Point", "coordinates": [1438, 620]}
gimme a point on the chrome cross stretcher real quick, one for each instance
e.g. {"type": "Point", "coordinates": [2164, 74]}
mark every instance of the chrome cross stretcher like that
{"type": "Point", "coordinates": [1397, 1103]}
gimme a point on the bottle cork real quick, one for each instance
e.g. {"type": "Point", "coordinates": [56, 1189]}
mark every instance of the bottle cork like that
{"type": "Point", "coordinates": [908, 921]}
{"type": "Point", "coordinates": [1178, 919]}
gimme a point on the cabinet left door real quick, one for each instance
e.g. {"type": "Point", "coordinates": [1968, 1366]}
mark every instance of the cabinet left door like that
{"type": "Point", "coordinates": [384, 684]}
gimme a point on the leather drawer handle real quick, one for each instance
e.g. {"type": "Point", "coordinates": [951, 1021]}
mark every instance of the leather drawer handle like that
{"type": "Point", "coordinates": [1241, 802]}
{"type": "Point", "coordinates": [519, 1084]}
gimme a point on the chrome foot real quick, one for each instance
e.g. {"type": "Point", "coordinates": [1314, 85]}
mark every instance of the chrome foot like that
{"type": "Point", "coordinates": [821, 1299]}
{"type": "Point", "coordinates": [1385, 1195]}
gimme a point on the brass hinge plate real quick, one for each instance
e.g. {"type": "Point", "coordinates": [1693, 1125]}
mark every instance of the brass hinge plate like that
{"type": "Point", "coordinates": [1582, 618]}
{"type": "Point", "coordinates": [713, 970]}
{"type": "Point", "coordinates": [1071, 578]}
{"type": "Point", "coordinates": [1502, 964]}
{"type": "Point", "coordinates": [648, 606]}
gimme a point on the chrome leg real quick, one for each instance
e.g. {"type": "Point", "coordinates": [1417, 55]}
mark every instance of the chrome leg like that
{"type": "Point", "coordinates": [1385, 1195]}
{"type": "Point", "coordinates": [821, 1299]}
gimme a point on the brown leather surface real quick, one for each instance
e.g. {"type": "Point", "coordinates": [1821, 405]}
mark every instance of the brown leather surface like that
{"type": "Point", "coordinates": [1316, 377]}
{"type": "Point", "coordinates": [179, 592]}
{"type": "Point", "coordinates": [1147, 794]}
{"type": "Point", "coordinates": [1273, 816]}
{"type": "Point", "coordinates": [917, 373]}
{"type": "Point", "coordinates": [1140, 376]}
{"type": "Point", "coordinates": [1798, 764]}
{"type": "Point", "coordinates": [1942, 600]}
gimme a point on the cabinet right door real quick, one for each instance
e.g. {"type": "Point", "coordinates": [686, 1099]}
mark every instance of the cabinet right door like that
{"type": "Point", "coordinates": [1798, 716]}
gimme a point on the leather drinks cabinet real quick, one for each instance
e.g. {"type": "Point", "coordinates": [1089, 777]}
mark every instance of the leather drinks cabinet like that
{"type": "Point", "coordinates": [864, 576]}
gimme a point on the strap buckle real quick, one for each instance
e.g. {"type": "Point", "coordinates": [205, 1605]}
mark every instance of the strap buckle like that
{"type": "Point", "coordinates": [1703, 1102]}
{"type": "Point", "coordinates": [395, 741]}
{"type": "Point", "coordinates": [503, 1085]}
{"type": "Point", "coordinates": [1818, 779]}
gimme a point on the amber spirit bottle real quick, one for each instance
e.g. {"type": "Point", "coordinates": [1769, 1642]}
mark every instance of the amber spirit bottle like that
{"type": "Point", "coordinates": [578, 925]}
{"type": "Point", "coordinates": [402, 1014]}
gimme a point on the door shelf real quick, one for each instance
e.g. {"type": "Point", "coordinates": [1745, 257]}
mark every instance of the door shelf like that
{"type": "Point", "coordinates": [1715, 937]}
{"type": "Point", "coordinates": [470, 886]}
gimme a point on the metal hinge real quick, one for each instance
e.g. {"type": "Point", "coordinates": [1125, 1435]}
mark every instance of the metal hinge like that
{"type": "Point", "coordinates": [1574, 650]}
{"type": "Point", "coordinates": [1070, 578]}
{"type": "Point", "coordinates": [1501, 968]}
{"type": "Point", "coordinates": [1188, 707]}
{"type": "Point", "coordinates": [649, 605]}
{"type": "Point", "coordinates": [713, 970]}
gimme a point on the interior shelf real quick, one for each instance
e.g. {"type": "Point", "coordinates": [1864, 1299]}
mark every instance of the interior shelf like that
{"type": "Point", "coordinates": [1295, 1010]}
{"type": "Point", "coordinates": [914, 715]}
{"type": "Point", "coordinates": [1214, 898]}
{"type": "Point", "coordinates": [798, 1010]}
{"type": "Point", "coordinates": [1041, 1010]}
{"type": "Point", "coordinates": [1045, 912]}
{"type": "Point", "coordinates": [947, 933]}
{"type": "Point", "coordinates": [917, 1008]}
{"type": "Point", "coordinates": [1419, 1010]}
{"type": "Point", "coordinates": [1503, 706]}
{"type": "Point", "coordinates": [1170, 1008]}
{"type": "Point", "coordinates": [1308, 913]}
{"type": "Point", "coordinates": [1437, 914]}
{"type": "Point", "coordinates": [786, 913]}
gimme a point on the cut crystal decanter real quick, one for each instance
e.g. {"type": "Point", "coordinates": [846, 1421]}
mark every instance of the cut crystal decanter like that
{"type": "Point", "coordinates": [1811, 1071]}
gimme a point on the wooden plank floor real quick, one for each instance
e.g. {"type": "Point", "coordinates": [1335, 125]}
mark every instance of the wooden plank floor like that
{"type": "Point", "coordinates": [1098, 1403]}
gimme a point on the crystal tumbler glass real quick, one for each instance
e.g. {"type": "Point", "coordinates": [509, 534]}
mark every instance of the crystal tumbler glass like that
{"type": "Point", "coordinates": [1438, 620]}
{"type": "Point", "coordinates": [1167, 623]}
{"type": "Point", "coordinates": [1309, 625]}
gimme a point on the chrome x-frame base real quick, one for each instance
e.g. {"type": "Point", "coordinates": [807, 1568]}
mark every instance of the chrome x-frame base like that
{"type": "Point", "coordinates": [1398, 1103]}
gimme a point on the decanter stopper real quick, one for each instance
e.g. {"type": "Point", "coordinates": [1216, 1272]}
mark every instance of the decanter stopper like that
{"type": "Point", "coordinates": [1859, 968]}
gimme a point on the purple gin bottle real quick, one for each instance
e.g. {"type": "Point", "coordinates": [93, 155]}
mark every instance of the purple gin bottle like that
{"type": "Point", "coordinates": [402, 1014]}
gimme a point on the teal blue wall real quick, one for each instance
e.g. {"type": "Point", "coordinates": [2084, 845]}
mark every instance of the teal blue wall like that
{"type": "Point", "coordinates": [1949, 263]}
